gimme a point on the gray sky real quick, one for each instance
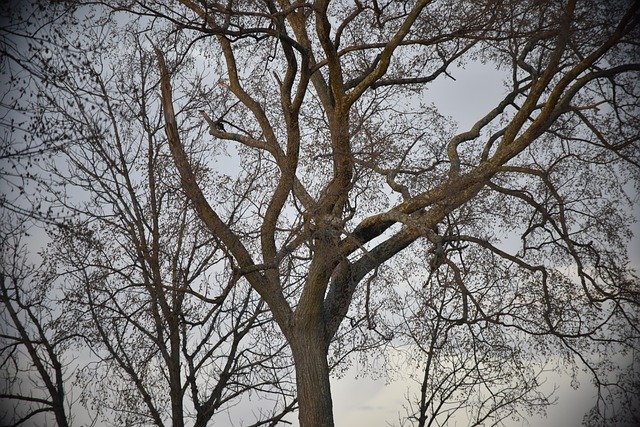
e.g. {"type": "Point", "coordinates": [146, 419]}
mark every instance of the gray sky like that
{"type": "Point", "coordinates": [367, 402]}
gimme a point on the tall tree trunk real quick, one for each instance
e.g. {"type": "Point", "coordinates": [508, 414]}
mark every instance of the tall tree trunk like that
{"type": "Point", "coordinates": [312, 378]}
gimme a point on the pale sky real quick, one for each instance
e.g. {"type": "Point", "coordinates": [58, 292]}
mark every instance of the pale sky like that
{"type": "Point", "coordinates": [367, 402]}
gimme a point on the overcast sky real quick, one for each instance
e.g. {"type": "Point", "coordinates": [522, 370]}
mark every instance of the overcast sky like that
{"type": "Point", "coordinates": [367, 402]}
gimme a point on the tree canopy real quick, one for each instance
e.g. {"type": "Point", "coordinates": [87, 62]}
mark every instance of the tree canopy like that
{"type": "Point", "coordinates": [257, 192]}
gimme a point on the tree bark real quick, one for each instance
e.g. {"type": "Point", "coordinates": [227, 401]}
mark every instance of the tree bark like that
{"type": "Point", "coordinates": [312, 377]}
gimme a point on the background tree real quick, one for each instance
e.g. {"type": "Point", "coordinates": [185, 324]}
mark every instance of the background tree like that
{"type": "Point", "coordinates": [35, 365]}
{"type": "Point", "coordinates": [348, 180]}
{"type": "Point", "coordinates": [34, 359]}
{"type": "Point", "coordinates": [474, 372]}
{"type": "Point", "coordinates": [166, 334]}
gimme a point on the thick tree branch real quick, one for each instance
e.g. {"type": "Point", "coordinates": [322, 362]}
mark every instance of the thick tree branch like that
{"type": "Point", "coordinates": [271, 293]}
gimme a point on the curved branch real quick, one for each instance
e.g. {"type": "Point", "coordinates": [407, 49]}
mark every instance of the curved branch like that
{"type": "Point", "coordinates": [269, 291]}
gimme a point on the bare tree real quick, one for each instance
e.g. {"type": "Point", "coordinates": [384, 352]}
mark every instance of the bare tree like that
{"type": "Point", "coordinates": [478, 372]}
{"type": "Point", "coordinates": [347, 177]}
{"type": "Point", "coordinates": [177, 332]}
{"type": "Point", "coordinates": [35, 366]}
{"type": "Point", "coordinates": [169, 333]}
{"type": "Point", "coordinates": [35, 363]}
{"type": "Point", "coordinates": [567, 112]}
